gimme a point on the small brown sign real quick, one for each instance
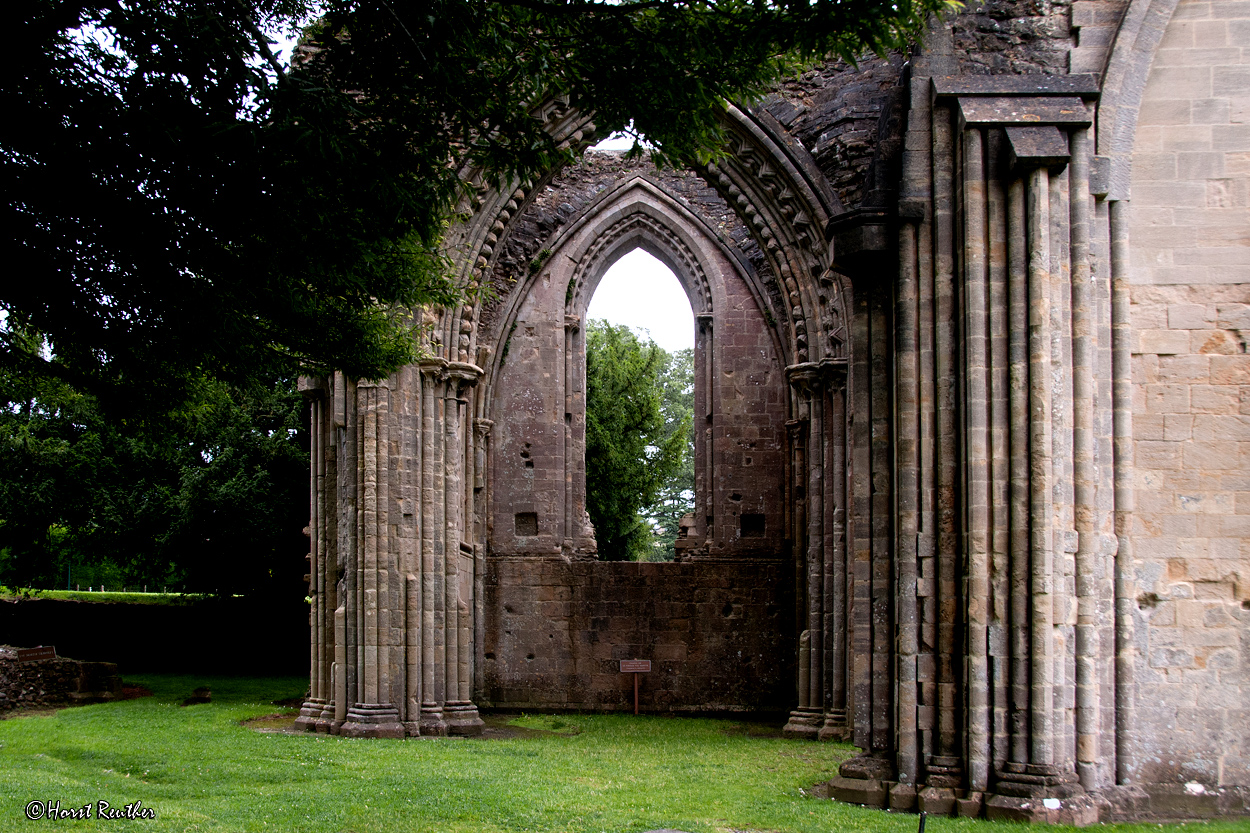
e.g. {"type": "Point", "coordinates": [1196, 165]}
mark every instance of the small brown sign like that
{"type": "Point", "coordinates": [635, 666]}
{"type": "Point", "coordinates": [32, 654]}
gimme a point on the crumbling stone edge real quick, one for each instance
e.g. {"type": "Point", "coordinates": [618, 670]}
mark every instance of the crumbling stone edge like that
{"type": "Point", "coordinates": [55, 682]}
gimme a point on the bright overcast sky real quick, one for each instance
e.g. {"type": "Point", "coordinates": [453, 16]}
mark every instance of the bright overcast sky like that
{"type": "Point", "coordinates": [642, 293]}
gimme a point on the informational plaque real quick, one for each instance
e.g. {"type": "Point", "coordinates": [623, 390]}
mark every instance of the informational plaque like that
{"type": "Point", "coordinates": [49, 652]}
{"type": "Point", "coordinates": [635, 667]}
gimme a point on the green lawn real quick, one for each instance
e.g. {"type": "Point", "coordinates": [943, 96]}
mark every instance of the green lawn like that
{"type": "Point", "coordinates": [96, 596]}
{"type": "Point", "coordinates": [199, 769]}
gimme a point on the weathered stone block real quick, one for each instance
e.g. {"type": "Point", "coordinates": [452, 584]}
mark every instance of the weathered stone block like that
{"type": "Point", "coordinates": [870, 793]}
{"type": "Point", "coordinates": [1163, 341]}
{"type": "Point", "coordinates": [938, 801]}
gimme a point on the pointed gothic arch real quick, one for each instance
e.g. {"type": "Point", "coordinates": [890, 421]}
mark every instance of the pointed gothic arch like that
{"type": "Point", "coordinates": [539, 377]}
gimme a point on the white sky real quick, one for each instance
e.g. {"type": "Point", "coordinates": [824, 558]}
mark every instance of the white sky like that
{"type": "Point", "coordinates": [642, 293]}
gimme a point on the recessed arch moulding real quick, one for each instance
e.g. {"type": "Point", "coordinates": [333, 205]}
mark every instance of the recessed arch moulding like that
{"type": "Point", "coordinates": [538, 382]}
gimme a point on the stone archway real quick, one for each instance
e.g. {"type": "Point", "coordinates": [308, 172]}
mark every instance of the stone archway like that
{"type": "Point", "coordinates": [739, 391]}
{"type": "Point", "coordinates": [412, 545]}
{"type": "Point", "coordinates": [538, 527]}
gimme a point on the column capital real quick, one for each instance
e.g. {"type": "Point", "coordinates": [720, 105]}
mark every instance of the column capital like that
{"type": "Point", "coordinates": [804, 376]}
{"type": "Point", "coordinates": [812, 375]}
{"type": "Point", "coordinates": [465, 373]}
{"type": "Point", "coordinates": [442, 370]}
{"type": "Point", "coordinates": [432, 366]}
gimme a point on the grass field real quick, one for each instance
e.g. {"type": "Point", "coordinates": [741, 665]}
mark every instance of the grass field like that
{"type": "Point", "coordinates": [96, 596]}
{"type": "Point", "coordinates": [200, 769]}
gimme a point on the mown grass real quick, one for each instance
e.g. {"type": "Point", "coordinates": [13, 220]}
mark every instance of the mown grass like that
{"type": "Point", "coordinates": [95, 596]}
{"type": "Point", "coordinates": [201, 770]}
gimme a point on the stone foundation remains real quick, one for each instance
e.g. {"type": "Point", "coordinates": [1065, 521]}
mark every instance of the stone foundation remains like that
{"type": "Point", "coordinates": [54, 682]}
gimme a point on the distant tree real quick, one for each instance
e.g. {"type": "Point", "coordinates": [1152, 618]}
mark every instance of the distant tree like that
{"type": "Point", "coordinates": [630, 450]}
{"type": "Point", "coordinates": [210, 498]}
{"type": "Point", "coordinates": [676, 495]}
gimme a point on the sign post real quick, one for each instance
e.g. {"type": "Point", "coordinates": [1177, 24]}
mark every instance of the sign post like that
{"type": "Point", "coordinates": [635, 667]}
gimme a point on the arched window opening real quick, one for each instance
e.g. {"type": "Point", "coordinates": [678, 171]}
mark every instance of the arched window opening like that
{"type": "Point", "coordinates": [640, 467]}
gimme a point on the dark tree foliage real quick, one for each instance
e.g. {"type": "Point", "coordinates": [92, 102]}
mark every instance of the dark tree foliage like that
{"type": "Point", "coordinates": [630, 450]}
{"type": "Point", "coordinates": [188, 221]}
{"type": "Point", "coordinates": [210, 498]}
{"type": "Point", "coordinates": [180, 205]}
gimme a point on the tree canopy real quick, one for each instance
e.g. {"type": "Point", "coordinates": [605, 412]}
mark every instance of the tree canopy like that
{"type": "Point", "coordinates": [182, 205]}
{"type": "Point", "coordinates": [189, 223]}
{"type": "Point", "coordinates": [209, 498]}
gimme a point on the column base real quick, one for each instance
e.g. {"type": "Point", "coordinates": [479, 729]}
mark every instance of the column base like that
{"type": "Point", "coordinates": [869, 767]}
{"type": "Point", "coordinates": [462, 719]}
{"type": "Point", "coordinates": [432, 723]}
{"type": "Point", "coordinates": [867, 792]}
{"type": "Point", "coordinates": [1037, 781]}
{"type": "Point", "coordinates": [903, 798]}
{"type": "Point", "coordinates": [936, 801]}
{"type": "Point", "coordinates": [309, 714]}
{"type": "Point", "coordinates": [804, 724]}
{"type": "Point", "coordinates": [372, 720]}
{"type": "Point", "coordinates": [834, 727]}
{"type": "Point", "coordinates": [865, 779]}
{"type": "Point", "coordinates": [1077, 811]}
{"type": "Point", "coordinates": [1040, 793]}
{"type": "Point", "coordinates": [944, 771]}
{"type": "Point", "coordinates": [325, 723]}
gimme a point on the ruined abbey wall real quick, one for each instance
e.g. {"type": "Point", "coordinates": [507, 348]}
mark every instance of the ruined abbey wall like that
{"type": "Point", "coordinates": [971, 405]}
{"type": "Point", "coordinates": [558, 631]}
{"type": "Point", "coordinates": [1190, 270]}
{"type": "Point", "coordinates": [720, 635]}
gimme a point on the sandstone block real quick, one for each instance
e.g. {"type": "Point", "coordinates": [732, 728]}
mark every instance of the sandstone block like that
{"type": "Point", "coordinates": [871, 793]}
{"type": "Point", "coordinates": [1215, 399]}
{"type": "Point", "coordinates": [1230, 369]}
{"type": "Point", "coordinates": [1189, 316]}
{"type": "Point", "coordinates": [1163, 342]}
{"type": "Point", "coordinates": [938, 801]}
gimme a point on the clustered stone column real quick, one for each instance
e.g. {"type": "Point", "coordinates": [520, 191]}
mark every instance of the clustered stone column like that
{"type": "Point", "coordinates": [995, 603]}
{"type": "Point", "coordinates": [818, 438]}
{"type": "Point", "coordinates": [395, 574]}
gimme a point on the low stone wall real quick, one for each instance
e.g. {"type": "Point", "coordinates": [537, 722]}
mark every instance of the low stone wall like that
{"type": "Point", "coordinates": [266, 636]}
{"type": "Point", "coordinates": [54, 682]}
{"type": "Point", "coordinates": [721, 635]}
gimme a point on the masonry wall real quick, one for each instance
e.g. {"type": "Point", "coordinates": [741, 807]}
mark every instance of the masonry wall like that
{"type": "Point", "coordinates": [1190, 271]}
{"type": "Point", "coordinates": [720, 635]}
{"type": "Point", "coordinates": [263, 636]}
{"type": "Point", "coordinates": [537, 395]}
{"type": "Point", "coordinates": [54, 682]}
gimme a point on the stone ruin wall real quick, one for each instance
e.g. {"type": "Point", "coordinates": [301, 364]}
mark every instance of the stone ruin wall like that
{"type": "Point", "coordinates": [1169, 705]}
{"type": "Point", "coordinates": [54, 682]}
{"type": "Point", "coordinates": [557, 630]}
{"type": "Point", "coordinates": [720, 635]}
{"type": "Point", "coordinates": [1190, 273]}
